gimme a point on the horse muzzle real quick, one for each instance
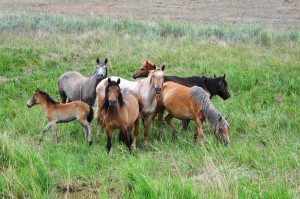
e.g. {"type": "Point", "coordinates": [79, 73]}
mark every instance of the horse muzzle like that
{"type": "Point", "coordinates": [226, 142]}
{"type": "Point", "coordinates": [111, 102]}
{"type": "Point", "coordinates": [134, 76]}
{"type": "Point", "coordinates": [100, 76]}
{"type": "Point", "coordinates": [29, 105]}
{"type": "Point", "coordinates": [157, 90]}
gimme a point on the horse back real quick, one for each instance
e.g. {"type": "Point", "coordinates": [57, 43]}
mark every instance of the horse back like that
{"type": "Point", "coordinates": [177, 100]}
{"type": "Point", "coordinates": [70, 111]}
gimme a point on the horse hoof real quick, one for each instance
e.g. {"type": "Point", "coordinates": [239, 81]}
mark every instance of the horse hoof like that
{"type": "Point", "coordinates": [90, 143]}
{"type": "Point", "coordinates": [174, 136]}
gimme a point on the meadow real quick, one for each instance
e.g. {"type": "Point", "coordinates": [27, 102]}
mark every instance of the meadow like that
{"type": "Point", "coordinates": [262, 70]}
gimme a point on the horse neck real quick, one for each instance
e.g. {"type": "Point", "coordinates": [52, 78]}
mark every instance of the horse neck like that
{"type": "Point", "coordinates": [93, 80]}
{"type": "Point", "coordinates": [212, 86]}
{"type": "Point", "coordinates": [45, 104]}
{"type": "Point", "coordinates": [147, 91]}
{"type": "Point", "coordinates": [211, 113]}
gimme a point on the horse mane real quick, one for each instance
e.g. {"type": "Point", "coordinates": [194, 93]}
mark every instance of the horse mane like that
{"type": "Point", "coordinates": [148, 63]}
{"type": "Point", "coordinates": [209, 111]}
{"type": "Point", "coordinates": [120, 97]}
{"type": "Point", "coordinates": [48, 98]}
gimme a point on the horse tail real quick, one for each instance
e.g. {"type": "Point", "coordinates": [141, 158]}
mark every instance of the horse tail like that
{"type": "Point", "coordinates": [91, 115]}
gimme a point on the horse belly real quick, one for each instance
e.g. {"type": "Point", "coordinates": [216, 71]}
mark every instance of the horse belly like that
{"type": "Point", "coordinates": [71, 83]}
{"type": "Point", "coordinates": [178, 106]}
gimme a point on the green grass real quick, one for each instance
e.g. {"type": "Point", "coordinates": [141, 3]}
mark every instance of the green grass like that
{"type": "Point", "coordinates": [262, 70]}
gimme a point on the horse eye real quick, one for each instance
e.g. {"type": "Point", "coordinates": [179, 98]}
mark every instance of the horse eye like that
{"type": "Point", "coordinates": [220, 130]}
{"type": "Point", "coordinates": [142, 69]}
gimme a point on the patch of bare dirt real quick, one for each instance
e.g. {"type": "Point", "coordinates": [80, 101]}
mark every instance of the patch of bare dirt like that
{"type": "Point", "coordinates": [272, 14]}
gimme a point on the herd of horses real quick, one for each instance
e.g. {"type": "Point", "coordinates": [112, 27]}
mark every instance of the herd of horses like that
{"type": "Point", "coordinates": [122, 103]}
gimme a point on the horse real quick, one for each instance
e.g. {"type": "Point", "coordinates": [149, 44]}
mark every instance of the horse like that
{"type": "Point", "coordinates": [194, 104]}
{"type": "Point", "coordinates": [120, 111]}
{"type": "Point", "coordinates": [213, 86]}
{"type": "Point", "coordinates": [146, 91]}
{"type": "Point", "coordinates": [75, 87]}
{"type": "Point", "coordinates": [58, 113]}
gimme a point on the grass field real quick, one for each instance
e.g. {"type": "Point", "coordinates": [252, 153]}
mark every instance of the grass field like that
{"type": "Point", "coordinates": [262, 70]}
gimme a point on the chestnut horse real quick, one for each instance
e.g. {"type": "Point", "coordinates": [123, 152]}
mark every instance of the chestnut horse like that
{"type": "Point", "coordinates": [58, 113]}
{"type": "Point", "coordinates": [194, 104]}
{"type": "Point", "coordinates": [76, 87]}
{"type": "Point", "coordinates": [214, 86]}
{"type": "Point", "coordinates": [146, 91]}
{"type": "Point", "coordinates": [120, 111]}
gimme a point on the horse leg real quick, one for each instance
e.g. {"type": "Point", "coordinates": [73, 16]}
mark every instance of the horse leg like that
{"type": "Point", "coordinates": [169, 118]}
{"type": "Point", "coordinates": [46, 128]}
{"type": "Point", "coordinates": [87, 130]}
{"type": "Point", "coordinates": [159, 120]}
{"type": "Point", "coordinates": [109, 134]}
{"type": "Point", "coordinates": [54, 131]}
{"type": "Point", "coordinates": [146, 128]}
{"type": "Point", "coordinates": [185, 124]}
{"type": "Point", "coordinates": [199, 130]}
{"type": "Point", "coordinates": [126, 135]}
{"type": "Point", "coordinates": [63, 96]}
{"type": "Point", "coordinates": [136, 132]}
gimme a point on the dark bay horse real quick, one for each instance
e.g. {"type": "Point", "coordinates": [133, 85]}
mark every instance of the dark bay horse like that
{"type": "Point", "coordinates": [120, 111]}
{"type": "Point", "coordinates": [146, 90]}
{"type": "Point", "coordinates": [213, 86]}
{"type": "Point", "coordinates": [58, 113]}
{"type": "Point", "coordinates": [194, 104]}
{"type": "Point", "coordinates": [76, 87]}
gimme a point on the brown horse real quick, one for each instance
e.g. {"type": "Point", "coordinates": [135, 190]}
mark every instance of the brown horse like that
{"type": "Point", "coordinates": [214, 86]}
{"type": "Point", "coordinates": [120, 110]}
{"type": "Point", "coordinates": [146, 90]}
{"type": "Point", "coordinates": [194, 104]}
{"type": "Point", "coordinates": [58, 113]}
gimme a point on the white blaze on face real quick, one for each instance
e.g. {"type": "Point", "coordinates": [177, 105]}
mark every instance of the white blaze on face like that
{"type": "Point", "coordinates": [158, 78]}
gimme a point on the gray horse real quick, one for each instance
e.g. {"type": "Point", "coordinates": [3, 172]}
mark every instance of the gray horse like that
{"type": "Point", "coordinates": [74, 86]}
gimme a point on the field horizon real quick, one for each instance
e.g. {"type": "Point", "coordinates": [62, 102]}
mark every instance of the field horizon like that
{"type": "Point", "coordinates": [262, 71]}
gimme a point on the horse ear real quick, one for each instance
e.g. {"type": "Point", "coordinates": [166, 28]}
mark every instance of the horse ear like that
{"type": "Point", "coordinates": [106, 60]}
{"type": "Point", "coordinates": [215, 76]}
{"type": "Point", "coordinates": [37, 90]}
{"type": "Point", "coordinates": [227, 117]}
{"type": "Point", "coordinates": [147, 63]}
{"type": "Point", "coordinates": [220, 118]}
{"type": "Point", "coordinates": [224, 76]}
{"type": "Point", "coordinates": [154, 66]}
{"type": "Point", "coordinates": [97, 61]}
{"type": "Point", "coordinates": [163, 67]}
{"type": "Point", "coordinates": [109, 80]}
{"type": "Point", "coordinates": [118, 81]}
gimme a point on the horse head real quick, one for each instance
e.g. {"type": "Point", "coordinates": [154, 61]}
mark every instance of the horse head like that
{"type": "Point", "coordinates": [157, 77]}
{"type": "Point", "coordinates": [34, 99]}
{"type": "Point", "coordinates": [222, 87]}
{"type": "Point", "coordinates": [144, 70]}
{"type": "Point", "coordinates": [222, 130]}
{"type": "Point", "coordinates": [101, 69]}
{"type": "Point", "coordinates": [113, 93]}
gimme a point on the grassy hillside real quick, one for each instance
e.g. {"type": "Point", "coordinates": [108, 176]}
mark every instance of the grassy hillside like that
{"type": "Point", "coordinates": [262, 71]}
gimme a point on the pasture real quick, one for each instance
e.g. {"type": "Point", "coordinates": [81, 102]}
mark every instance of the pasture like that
{"type": "Point", "coordinates": [262, 70]}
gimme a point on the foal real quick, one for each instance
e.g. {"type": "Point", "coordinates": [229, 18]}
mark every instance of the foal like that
{"type": "Point", "coordinates": [58, 113]}
{"type": "Point", "coordinates": [120, 111]}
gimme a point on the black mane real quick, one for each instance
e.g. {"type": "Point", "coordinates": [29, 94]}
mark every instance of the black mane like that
{"type": "Point", "coordinates": [48, 98]}
{"type": "Point", "coordinates": [105, 105]}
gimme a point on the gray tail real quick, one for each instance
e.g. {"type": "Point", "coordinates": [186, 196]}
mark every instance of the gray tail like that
{"type": "Point", "coordinates": [91, 115]}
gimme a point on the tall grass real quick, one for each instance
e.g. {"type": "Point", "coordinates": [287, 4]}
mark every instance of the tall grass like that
{"type": "Point", "coordinates": [262, 70]}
